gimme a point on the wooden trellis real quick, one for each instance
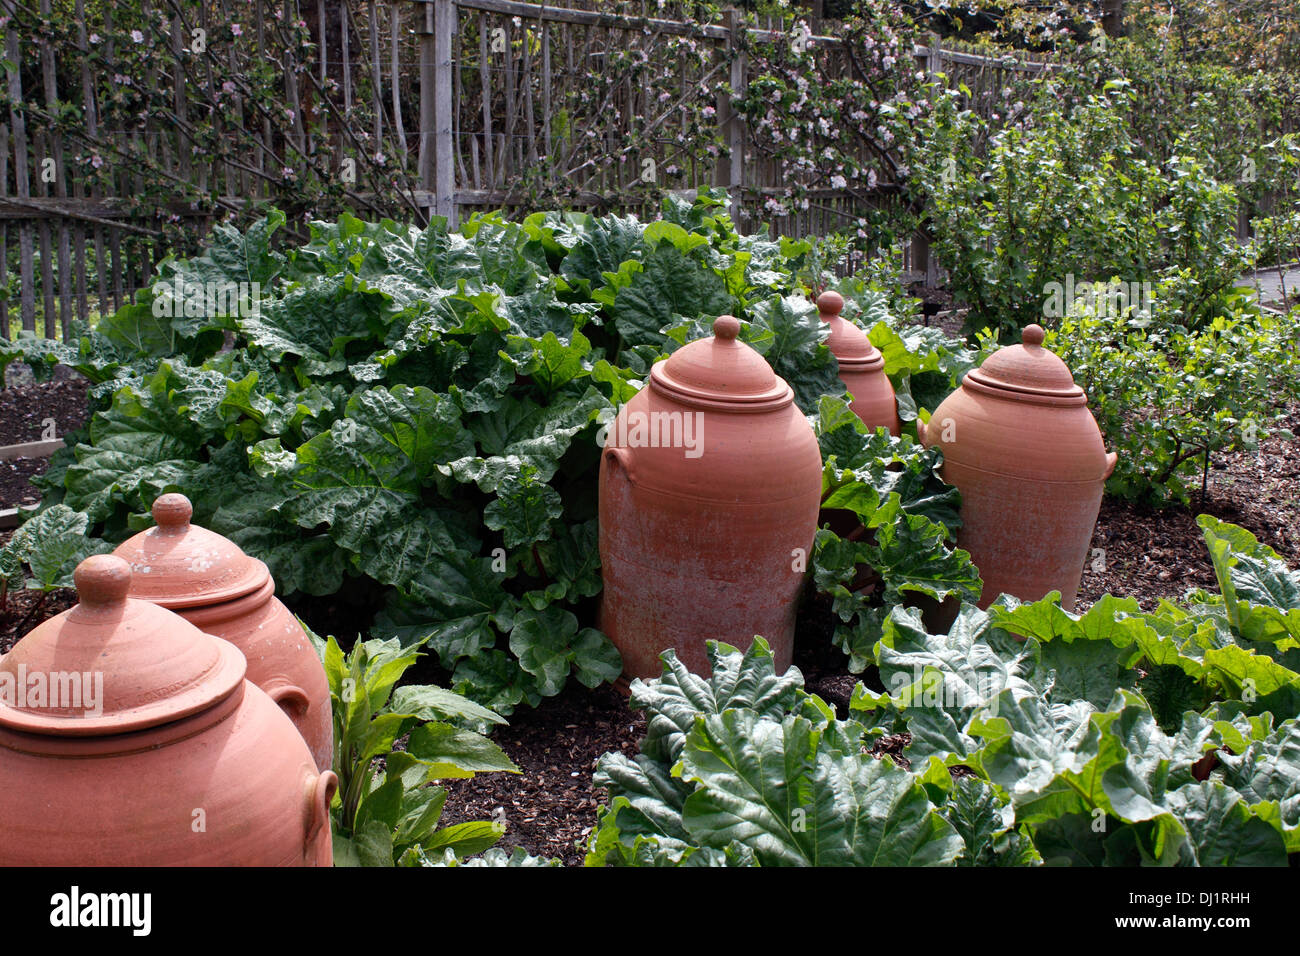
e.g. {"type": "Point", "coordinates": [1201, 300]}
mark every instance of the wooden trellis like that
{"type": "Point", "coordinates": [442, 107]}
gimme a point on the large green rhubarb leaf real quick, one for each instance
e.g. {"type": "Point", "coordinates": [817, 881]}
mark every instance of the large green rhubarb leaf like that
{"type": "Point", "coordinates": [362, 479]}
{"type": "Point", "coordinates": [739, 681]}
{"type": "Point", "coordinates": [1222, 830]}
{"type": "Point", "coordinates": [767, 784]}
{"type": "Point", "coordinates": [1267, 774]}
{"type": "Point", "coordinates": [456, 605]}
{"type": "Point", "coordinates": [938, 682]}
{"type": "Point", "coordinates": [663, 285]}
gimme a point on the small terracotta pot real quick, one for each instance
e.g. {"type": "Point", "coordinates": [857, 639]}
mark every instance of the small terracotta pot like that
{"type": "Point", "coordinates": [180, 762]}
{"type": "Point", "coordinates": [1019, 443]}
{"type": "Point", "coordinates": [208, 580]}
{"type": "Point", "coordinates": [709, 543]}
{"type": "Point", "coordinates": [862, 367]}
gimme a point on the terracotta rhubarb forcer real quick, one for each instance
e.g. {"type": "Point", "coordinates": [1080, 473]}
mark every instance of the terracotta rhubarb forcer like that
{"type": "Point", "coordinates": [154, 751]}
{"type": "Point", "coordinates": [707, 540]}
{"type": "Point", "coordinates": [209, 581]}
{"type": "Point", "coordinates": [1019, 443]}
{"type": "Point", "coordinates": [862, 367]}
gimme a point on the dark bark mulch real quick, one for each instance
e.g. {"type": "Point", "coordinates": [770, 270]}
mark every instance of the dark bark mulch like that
{"type": "Point", "coordinates": [24, 609]}
{"type": "Point", "coordinates": [24, 410]}
{"type": "Point", "coordinates": [550, 808]}
{"type": "Point", "coordinates": [15, 481]}
{"type": "Point", "coordinates": [1152, 553]}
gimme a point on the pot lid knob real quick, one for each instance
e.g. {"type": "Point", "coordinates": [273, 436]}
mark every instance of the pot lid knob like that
{"type": "Point", "coordinates": [848, 343]}
{"type": "Point", "coordinates": [102, 579]}
{"type": "Point", "coordinates": [1033, 335]}
{"type": "Point", "coordinates": [720, 372]}
{"type": "Point", "coordinates": [726, 328]}
{"type": "Point", "coordinates": [179, 564]}
{"type": "Point", "coordinates": [172, 512]}
{"type": "Point", "coordinates": [829, 304]}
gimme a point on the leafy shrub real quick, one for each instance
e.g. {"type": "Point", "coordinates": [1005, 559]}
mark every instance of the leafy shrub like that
{"type": "Point", "coordinates": [1166, 398]}
{"type": "Point", "coordinates": [1277, 230]}
{"type": "Point", "coordinates": [1071, 193]}
{"type": "Point", "coordinates": [1278, 238]}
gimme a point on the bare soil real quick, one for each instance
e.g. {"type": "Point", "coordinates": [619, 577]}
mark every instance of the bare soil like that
{"type": "Point", "coordinates": [33, 413]}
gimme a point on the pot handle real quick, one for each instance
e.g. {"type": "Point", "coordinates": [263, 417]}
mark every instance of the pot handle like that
{"type": "Point", "coordinates": [920, 430]}
{"type": "Point", "coordinates": [1112, 458]}
{"type": "Point", "coordinates": [293, 700]}
{"type": "Point", "coordinates": [318, 813]}
{"type": "Point", "coordinates": [621, 459]}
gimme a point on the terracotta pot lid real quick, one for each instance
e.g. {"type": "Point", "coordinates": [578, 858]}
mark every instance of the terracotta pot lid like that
{"type": "Point", "coordinates": [143, 664]}
{"type": "Point", "coordinates": [1028, 371]}
{"type": "Point", "coordinates": [721, 372]}
{"type": "Point", "coordinates": [848, 343]}
{"type": "Point", "coordinates": [178, 564]}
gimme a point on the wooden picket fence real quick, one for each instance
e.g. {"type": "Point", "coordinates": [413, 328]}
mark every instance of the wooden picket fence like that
{"type": "Point", "coordinates": [441, 107]}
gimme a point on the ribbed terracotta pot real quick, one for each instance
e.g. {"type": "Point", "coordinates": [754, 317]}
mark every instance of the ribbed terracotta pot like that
{"type": "Point", "coordinates": [208, 580]}
{"type": "Point", "coordinates": [710, 541]}
{"type": "Point", "coordinates": [862, 367]}
{"type": "Point", "coordinates": [178, 762]}
{"type": "Point", "coordinates": [1019, 443]}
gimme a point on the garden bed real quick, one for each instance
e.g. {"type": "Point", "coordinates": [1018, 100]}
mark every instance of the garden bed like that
{"type": "Point", "coordinates": [25, 409]}
{"type": "Point", "coordinates": [550, 807]}
{"type": "Point", "coordinates": [25, 415]}
{"type": "Point", "coordinates": [1150, 554]}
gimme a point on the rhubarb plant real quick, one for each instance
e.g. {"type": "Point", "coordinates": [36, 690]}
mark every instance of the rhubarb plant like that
{"type": "Point", "coordinates": [1025, 735]}
{"type": "Point", "coordinates": [415, 414]}
{"type": "Point", "coordinates": [1005, 762]}
{"type": "Point", "coordinates": [900, 548]}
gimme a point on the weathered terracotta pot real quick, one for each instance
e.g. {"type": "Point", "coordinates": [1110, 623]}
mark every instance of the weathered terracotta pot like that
{"type": "Point", "coordinates": [178, 760]}
{"type": "Point", "coordinates": [208, 580]}
{"type": "Point", "coordinates": [707, 537]}
{"type": "Point", "coordinates": [1019, 442]}
{"type": "Point", "coordinates": [862, 367]}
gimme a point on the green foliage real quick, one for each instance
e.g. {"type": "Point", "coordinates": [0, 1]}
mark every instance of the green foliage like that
{"type": "Point", "coordinates": [392, 815]}
{"type": "Point", "coordinates": [905, 517]}
{"type": "Point", "coordinates": [421, 409]}
{"type": "Point", "coordinates": [1072, 198]}
{"type": "Point", "coordinates": [49, 545]}
{"type": "Point", "coordinates": [1031, 736]}
{"type": "Point", "coordinates": [745, 768]}
{"type": "Point", "coordinates": [1167, 398]}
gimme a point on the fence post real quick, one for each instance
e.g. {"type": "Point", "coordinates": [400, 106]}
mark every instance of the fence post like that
{"type": "Point", "coordinates": [18, 131]}
{"type": "Point", "coordinates": [922, 260]}
{"type": "Point", "coordinates": [425, 30]}
{"type": "Point", "coordinates": [444, 110]}
{"type": "Point", "coordinates": [731, 172]}
{"type": "Point", "coordinates": [437, 116]}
